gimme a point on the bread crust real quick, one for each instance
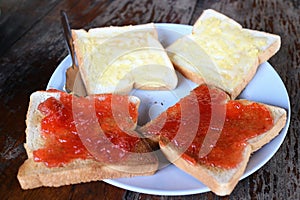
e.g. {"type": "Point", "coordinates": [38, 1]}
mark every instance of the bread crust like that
{"type": "Point", "coordinates": [209, 176]}
{"type": "Point", "coordinates": [32, 174]}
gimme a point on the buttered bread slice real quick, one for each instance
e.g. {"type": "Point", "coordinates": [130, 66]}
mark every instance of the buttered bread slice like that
{"type": "Point", "coordinates": [117, 59]}
{"type": "Point", "coordinates": [220, 52]}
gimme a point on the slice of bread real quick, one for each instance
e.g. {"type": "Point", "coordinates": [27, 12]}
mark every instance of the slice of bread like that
{"type": "Point", "coordinates": [220, 52]}
{"type": "Point", "coordinates": [34, 174]}
{"type": "Point", "coordinates": [117, 59]}
{"type": "Point", "coordinates": [188, 125]}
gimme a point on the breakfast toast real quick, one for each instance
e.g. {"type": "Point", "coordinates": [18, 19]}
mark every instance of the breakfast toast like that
{"type": "Point", "coordinates": [211, 137]}
{"type": "Point", "coordinates": [220, 52]}
{"type": "Point", "coordinates": [51, 162]}
{"type": "Point", "coordinates": [116, 59]}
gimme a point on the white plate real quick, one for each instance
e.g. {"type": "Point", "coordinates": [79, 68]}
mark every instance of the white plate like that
{"type": "Point", "coordinates": [266, 87]}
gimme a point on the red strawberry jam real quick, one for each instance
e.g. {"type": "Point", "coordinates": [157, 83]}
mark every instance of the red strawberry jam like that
{"type": "Point", "coordinates": [218, 130]}
{"type": "Point", "coordinates": [67, 122]}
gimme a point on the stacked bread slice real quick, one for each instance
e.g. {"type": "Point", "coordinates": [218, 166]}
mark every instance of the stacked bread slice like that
{"type": "Point", "coordinates": [34, 173]}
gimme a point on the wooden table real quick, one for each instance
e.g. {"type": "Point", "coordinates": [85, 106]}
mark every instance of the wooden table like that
{"type": "Point", "coordinates": [32, 45]}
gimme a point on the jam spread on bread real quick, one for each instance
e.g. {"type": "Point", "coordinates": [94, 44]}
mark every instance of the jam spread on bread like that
{"type": "Point", "coordinates": [62, 123]}
{"type": "Point", "coordinates": [229, 133]}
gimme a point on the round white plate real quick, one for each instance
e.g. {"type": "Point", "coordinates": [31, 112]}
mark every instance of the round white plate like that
{"type": "Point", "coordinates": [266, 87]}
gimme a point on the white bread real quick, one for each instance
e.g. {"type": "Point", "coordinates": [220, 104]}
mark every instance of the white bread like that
{"type": "Point", "coordinates": [220, 52]}
{"type": "Point", "coordinates": [117, 59]}
{"type": "Point", "coordinates": [36, 174]}
{"type": "Point", "coordinates": [221, 181]}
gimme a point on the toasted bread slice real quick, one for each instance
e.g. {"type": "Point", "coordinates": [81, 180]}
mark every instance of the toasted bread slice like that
{"type": "Point", "coordinates": [179, 138]}
{"type": "Point", "coordinates": [34, 174]}
{"type": "Point", "coordinates": [117, 59]}
{"type": "Point", "coordinates": [220, 52]}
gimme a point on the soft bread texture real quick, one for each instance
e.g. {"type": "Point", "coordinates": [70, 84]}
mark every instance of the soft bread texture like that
{"type": "Point", "coordinates": [36, 174]}
{"type": "Point", "coordinates": [222, 181]}
{"type": "Point", "coordinates": [220, 52]}
{"type": "Point", "coordinates": [117, 59]}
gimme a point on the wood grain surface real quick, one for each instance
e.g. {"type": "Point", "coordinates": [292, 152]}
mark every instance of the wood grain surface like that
{"type": "Point", "coordinates": [32, 46]}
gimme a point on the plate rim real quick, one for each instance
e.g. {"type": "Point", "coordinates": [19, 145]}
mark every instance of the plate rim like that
{"type": "Point", "coordinates": [67, 61]}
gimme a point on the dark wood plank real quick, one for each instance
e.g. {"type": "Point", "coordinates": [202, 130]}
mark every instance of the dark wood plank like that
{"type": "Point", "coordinates": [34, 46]}
{"type": "Point", "coordinates": [107, 13]}
{"type": "Point", "coordinates": [30, 59]}
{"type": "Point", "coordinates": [18, 17]}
